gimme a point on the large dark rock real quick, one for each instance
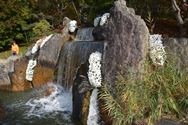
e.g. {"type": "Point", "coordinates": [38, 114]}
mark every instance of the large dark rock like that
{"type": "Point", "coordinates": [126, 35]}
{"type": "Point", "coordinates": [81, 98]}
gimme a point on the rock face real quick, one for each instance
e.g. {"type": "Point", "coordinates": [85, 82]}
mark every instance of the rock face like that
{"type": "Point", "coordinates": [6, 68]}
{"type": "Point", "coordinates": [126, 36]}
{"type": "Point", "coordinates": [42, 75]}
{"type": "Point", "coordinates": [44, 71]}
{"type": "Point", "coordinates": [177, 51]}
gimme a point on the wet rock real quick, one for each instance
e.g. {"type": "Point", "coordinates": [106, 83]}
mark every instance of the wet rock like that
{"type": "Point", "coordinates": [126, 36]}
{"type": "Point", "coordinates": [48, 91]}
{"type": "Point", "coordinates": [42, 75]}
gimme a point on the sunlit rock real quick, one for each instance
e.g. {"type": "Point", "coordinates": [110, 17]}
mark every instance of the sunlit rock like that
{"type": "Point", "coordinates": [126, 36]}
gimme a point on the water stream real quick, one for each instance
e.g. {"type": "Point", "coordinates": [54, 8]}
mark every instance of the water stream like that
{"type": "Point", "coordinates": [51, 104]}
{"type": "Point", "coordinates": [48, 105]}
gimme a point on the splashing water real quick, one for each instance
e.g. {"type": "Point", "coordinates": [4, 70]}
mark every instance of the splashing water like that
{"type": "Point", "coordinates": [93, 116]}
{"type": "Point", "coordinates": [59, 100]}
{"type": "Point", "coordinates": [47, 105]}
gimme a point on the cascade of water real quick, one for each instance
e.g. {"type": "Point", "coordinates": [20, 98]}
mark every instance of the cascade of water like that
{"type": "Point", "coordinates": [93, 116]}
{"type": "Point", "coordinates": [84, 34]}
{"type": "Point", "coordinates": [46, 105]}
{"type": "Point", "coordinates": [72, 56]}
{"type": "Point", "coordinates": [58, 100]}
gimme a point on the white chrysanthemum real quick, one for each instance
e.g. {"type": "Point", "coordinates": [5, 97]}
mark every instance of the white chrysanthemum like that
{"type": "Point", "coordinates": [94, 73]}
{"type": "Point", "coordinates": [104, 18]}
{"type": "Point", "coordinates": [157, 52]}
{"type": "Point", "coordinates": [96, 21]}
{"type": "Point", "coordinates": [30, 69]}
{"type": "Point", "coordinates": [72, 26]}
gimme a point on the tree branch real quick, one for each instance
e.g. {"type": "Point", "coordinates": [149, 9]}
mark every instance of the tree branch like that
{"type": "Point", "coordinates": [177, 12]}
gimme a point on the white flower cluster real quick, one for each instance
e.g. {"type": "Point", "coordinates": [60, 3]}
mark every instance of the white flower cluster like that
{"type": "Point", "coordinates": [32, 62]}
{"type": "Point", "coordinates": [30, 69]}
{"type": "Point", "coordinates": [72, 25]}
{"type": "Point", "coordinates": [157, 52]}
{"type": "Point", "coordinates": [101, 20]}
{"type": "Point", "coordinates": [40, 43]}
{"type": "Point", "coordinates": [94, 73]}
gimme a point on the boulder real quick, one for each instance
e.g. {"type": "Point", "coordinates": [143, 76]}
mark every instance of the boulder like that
{"type": "Point", "coordinates": [126, 36]}
{"type": "Point", "coordinates": [14, 79]}
{"type": "Point", "coordinates": [42, 75]}
{"type": "Point", "coordinates": [6, 68]}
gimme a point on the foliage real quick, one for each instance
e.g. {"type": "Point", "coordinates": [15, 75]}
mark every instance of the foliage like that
{"type": "Point", "coordinates": [89, 9]}
{"type": "Point", "coordinates": [14, 15]}
{"type": "Point", "coordinates": [42, 28]}
{"type": "Point", "coordinates": [161, 93]}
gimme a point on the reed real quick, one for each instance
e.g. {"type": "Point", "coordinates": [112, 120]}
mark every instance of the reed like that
{"type": "Point", "coordinates": [161, 93]}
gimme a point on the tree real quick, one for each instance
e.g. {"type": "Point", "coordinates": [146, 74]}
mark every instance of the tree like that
{"type": "Point", "coordinates": [180, 20]}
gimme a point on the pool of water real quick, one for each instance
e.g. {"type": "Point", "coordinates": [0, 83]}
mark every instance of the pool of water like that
{"type": "Point", "coordinates": [48, 105]}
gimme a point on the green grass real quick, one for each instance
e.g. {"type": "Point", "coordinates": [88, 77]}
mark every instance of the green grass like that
{"type": "Point", "coordinates": [6, 54]}
{"type": "Point", "coordinates": [162, 93]}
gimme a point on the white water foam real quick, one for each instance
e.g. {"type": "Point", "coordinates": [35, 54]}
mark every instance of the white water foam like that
{"type": "Point", "coordinates": [58, 101]}
{"type": "Point", "coordinates": [93, 116]}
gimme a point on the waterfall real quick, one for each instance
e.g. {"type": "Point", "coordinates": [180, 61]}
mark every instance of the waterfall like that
{"type": "Point", "coordinates": [84, 34]}
{"type": "Point", "coordinates": [58, 100]}
{"type": "Point", "coordinates": [93, 116]}
{"type": "Point", "coordinates": [50, 104]}
{"type": "Point", "coordinates": [72, 56]}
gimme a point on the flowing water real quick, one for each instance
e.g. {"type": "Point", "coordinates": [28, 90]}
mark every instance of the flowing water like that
{"type": "Point", "coordinates": [48, 105]}
{"type": "Point", "coordinates": [52, 104]}
{"type": "Point", "coordinates": [84, 34]}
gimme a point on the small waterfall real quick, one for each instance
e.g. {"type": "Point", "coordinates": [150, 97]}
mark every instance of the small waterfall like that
{"type": "Point", "coordinates": [93, 116]}
{"type": "Point", "coordinates": [48, 105]}
{"type": "Point", "coordinates": [84, 34]}
{"type": "Point", "coordinates": [56, 100]}
{"type": "Point", "coordinates": [72, 56]}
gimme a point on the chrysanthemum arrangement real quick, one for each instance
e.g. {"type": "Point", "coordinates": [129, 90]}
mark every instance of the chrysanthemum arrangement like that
{"type": "Point", "coordinates": [156, 50]}
{"type": "Point", "coordinates": [94, 73]}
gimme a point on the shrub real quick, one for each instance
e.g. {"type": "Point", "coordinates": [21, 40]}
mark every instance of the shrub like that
{"type": "Point", "coordinates": [160, 93]}
{"type": "Point", "coordinates": [42, 28]}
